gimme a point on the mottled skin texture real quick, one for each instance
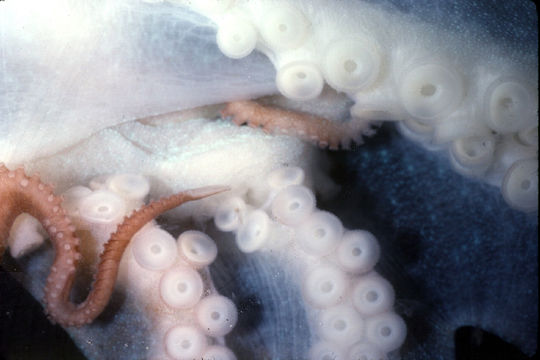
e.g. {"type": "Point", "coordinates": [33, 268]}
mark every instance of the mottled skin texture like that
{"type": "Point", "coordinates": [323, 132]}
{"type": "Point", "coordinates": [22, 194]}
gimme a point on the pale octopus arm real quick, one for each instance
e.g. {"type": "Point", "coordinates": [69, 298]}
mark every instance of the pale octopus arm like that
{"type": "Point", "coordinates": [22, 194]}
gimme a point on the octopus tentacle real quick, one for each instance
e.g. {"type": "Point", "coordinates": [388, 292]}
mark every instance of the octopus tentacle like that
{"type": "Point", "coordinates": [310, 127]}
{"type": "Point", "coordinates": [19, 193]}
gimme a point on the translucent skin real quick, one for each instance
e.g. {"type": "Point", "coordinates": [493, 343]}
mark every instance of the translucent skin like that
{"type": "Point", "coordinates": [21, 194]}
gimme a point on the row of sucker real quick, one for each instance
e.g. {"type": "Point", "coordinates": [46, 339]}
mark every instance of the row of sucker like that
{"type": "Point", "coordinates": [351, 304]}
{"type": "Point", "coordinates": [483, 112]}
{"type": "Point", "coordinates": [188, 313]}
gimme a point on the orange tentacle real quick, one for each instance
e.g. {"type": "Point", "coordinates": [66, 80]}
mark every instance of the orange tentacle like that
{"type": "Point", "coordinates": [309, 127]}
{"type": "Point", "coordinates": [19, 193]}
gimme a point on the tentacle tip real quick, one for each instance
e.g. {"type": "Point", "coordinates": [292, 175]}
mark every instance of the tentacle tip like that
{"type": "Point", "coordinates": [208, 191]}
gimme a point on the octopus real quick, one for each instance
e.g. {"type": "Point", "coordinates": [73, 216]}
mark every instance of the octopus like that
{"type": "Point", "coordinates": [431, 119]}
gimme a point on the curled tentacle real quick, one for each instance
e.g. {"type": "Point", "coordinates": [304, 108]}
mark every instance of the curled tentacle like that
{"type": "Point", "coordinates": [22, 194]}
